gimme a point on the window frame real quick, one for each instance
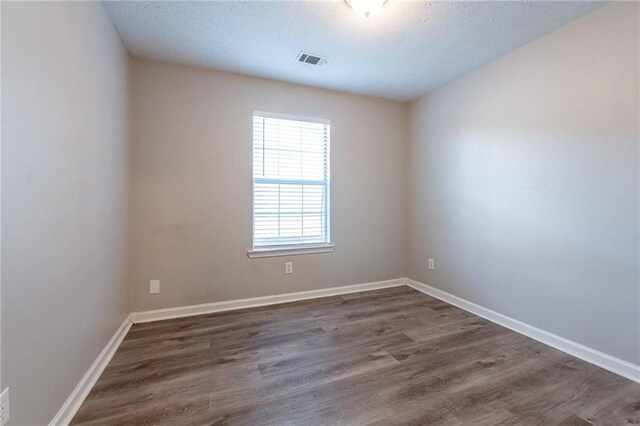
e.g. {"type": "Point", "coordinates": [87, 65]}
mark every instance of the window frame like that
{"type": "Point", "coordinates": [290, 249]}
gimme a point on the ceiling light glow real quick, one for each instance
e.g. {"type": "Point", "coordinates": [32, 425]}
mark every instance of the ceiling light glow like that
{"type": "Point", "coordinates": [366, 8]}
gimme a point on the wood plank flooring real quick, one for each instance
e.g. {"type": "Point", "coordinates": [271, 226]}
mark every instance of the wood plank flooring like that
{"type": "Point", "coordinates": [385, 357]}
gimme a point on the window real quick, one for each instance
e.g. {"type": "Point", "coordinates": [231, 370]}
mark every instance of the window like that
{"type": "Point", "coordinates": [290, 183]}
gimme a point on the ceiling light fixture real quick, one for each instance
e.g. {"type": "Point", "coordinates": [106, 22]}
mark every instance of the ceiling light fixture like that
{"type": "Point", "coordinates": [366, 8]}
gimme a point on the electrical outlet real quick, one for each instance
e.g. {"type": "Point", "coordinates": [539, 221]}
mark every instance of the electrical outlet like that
{"type": "Point", "coordinates": [154, 287]}
{"type": "Point", "coordinates": [288, 267]}
{"type": "Point", "coordinates": [4, 407]}
{"type": "Point", "coordinates": [432, 264]}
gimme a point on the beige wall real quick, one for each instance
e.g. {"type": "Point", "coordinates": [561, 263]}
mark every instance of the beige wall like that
{"type": "Point", "coordinates": [65, 176]}
{"type": "Point", "coordinates": [192, 183]}
{"type": "Point", "coordinates": [524, 183]}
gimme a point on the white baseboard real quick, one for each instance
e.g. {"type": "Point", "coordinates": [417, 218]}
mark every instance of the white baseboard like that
{"type": "Point", "coordinates": [585, 353]}
{"type": "Point", "coordinates": [207, 308]}
{"type": "Point", "coordinates": [82, 389]}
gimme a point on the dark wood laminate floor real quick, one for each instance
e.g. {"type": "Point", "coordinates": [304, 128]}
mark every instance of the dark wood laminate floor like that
{"type": "Point", "coordinates": [386, 357]}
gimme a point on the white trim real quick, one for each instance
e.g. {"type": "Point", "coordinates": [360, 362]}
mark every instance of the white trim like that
{"type": "Point", "coordinates": [82, 389]}
{"type": "Point", "coordinates": [207, 308]}
{"type": "Point", "coordinates": [290, 250]}
{"type": "Point", "coordinates": [291, 117]}
{"type": "Point", "coordinates": [585, 353]}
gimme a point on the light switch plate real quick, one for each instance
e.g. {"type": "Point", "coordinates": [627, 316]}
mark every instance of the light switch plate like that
{"type": "Point", "coordinates": [154, 287]}
{"type": "Point", "coordinates": [288, 267]}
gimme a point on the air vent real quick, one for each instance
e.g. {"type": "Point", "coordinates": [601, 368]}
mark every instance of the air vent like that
{"type": "Point", "coordinates": [314, 60]}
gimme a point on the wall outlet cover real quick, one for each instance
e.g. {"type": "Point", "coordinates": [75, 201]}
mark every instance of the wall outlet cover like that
{"type": "Point", "coordinates": [4, 407]}
{"type": "Point", "coordinates": [288, 267]}
{"type": "Point", "coordinates": [432, 264]}
{"type": "Point", "coordinates": [154, 287]}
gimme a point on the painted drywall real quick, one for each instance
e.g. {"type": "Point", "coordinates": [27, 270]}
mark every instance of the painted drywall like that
{"type": "Point", "coordinates": [192, 187]}
{"type": "Point", "coordinates": [524, 185]}
{"type": "Point", "coordinates": [65, 176]}
{"type": "Point", "coordinates": [2, 386]}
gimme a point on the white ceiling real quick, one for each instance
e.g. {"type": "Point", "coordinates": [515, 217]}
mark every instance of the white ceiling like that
{"type": "Point", "coordinates": [408, 49]}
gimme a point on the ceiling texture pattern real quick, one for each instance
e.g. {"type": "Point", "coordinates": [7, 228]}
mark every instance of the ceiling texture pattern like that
{"type": "Point", "coordinates": [405, 51]}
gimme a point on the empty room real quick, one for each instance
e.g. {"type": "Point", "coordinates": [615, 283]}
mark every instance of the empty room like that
{"type": "Point", "coordinates": [360, 212]}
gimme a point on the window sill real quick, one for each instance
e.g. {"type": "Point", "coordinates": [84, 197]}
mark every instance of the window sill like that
{"type": "Point", "coordinates": [290, 250]}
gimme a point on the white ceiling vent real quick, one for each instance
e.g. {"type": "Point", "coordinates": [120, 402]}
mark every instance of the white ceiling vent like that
{"type": "Point", "coordinates": [310, 59]}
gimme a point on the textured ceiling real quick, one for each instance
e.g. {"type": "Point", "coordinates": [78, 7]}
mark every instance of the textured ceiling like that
{"type": "Point", "coordinates": [408, 49]}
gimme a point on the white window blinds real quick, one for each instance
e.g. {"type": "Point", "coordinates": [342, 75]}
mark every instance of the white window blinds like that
{"type": "Point", "coordinates": [290, 181]}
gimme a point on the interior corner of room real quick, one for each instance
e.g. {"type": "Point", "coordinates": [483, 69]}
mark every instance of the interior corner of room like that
{"type": "Point", "coordinates": [374, 188]}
